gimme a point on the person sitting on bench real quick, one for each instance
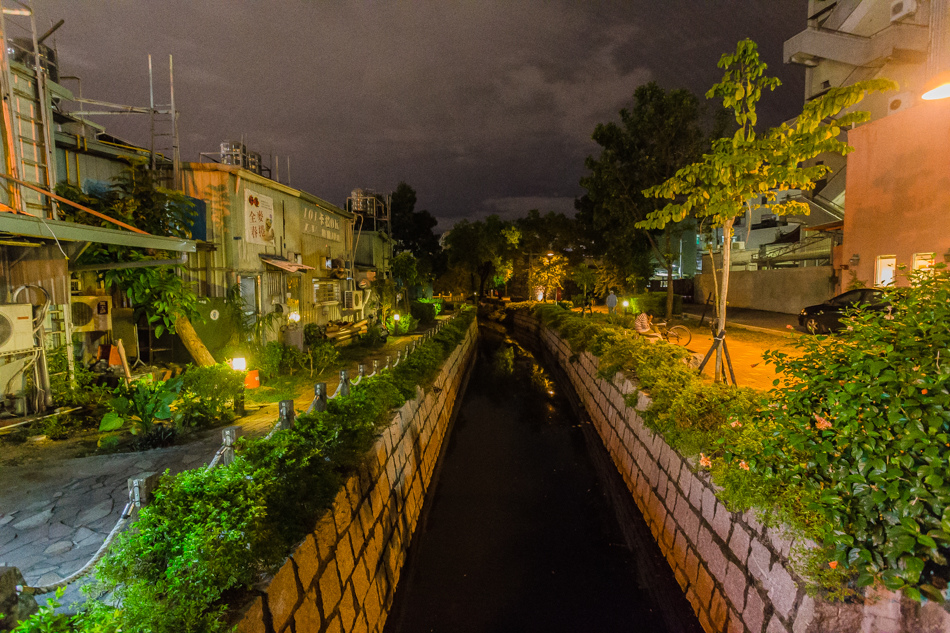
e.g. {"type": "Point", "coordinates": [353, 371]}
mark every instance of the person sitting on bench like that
{"type": "Point", "coordinates": [644, 325]}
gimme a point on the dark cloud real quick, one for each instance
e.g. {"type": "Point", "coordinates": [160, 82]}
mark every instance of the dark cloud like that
{"type": "Point", "coordinates": [481, 106]}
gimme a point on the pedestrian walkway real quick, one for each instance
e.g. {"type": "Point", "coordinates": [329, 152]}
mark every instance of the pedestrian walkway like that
{"type": "Point", "coordinates": [746, 318]}
{"type": "Point", "coordinates": [54, 515]}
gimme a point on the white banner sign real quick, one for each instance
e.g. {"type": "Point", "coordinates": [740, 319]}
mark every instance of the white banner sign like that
{"type": "Point", "coordinates": [259, 225]}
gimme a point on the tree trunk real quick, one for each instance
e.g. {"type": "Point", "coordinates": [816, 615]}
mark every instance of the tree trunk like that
{"type": "Point", "coordinates": [669, 278]}
{"type": "Point", "coordinates": [724, 292]}
{"type": "Point", "coordinates": [186, 332]}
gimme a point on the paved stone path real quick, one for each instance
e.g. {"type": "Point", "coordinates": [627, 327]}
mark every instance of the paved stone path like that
{"type": "Point", "coordinates": [54, 516]}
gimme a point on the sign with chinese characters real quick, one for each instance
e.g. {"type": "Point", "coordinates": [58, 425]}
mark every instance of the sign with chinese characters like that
{"type": "Point", "coordinates": [259, 225]}
{"type": "Point", "coordinates": [322, 224]}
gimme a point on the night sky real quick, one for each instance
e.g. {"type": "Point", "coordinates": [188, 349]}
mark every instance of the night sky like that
{"type": "Point", "coordinates": [482, 106]}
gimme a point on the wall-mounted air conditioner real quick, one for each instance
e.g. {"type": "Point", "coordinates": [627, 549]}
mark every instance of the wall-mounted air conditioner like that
{"type": "Point", "coordinates": [900, 9]}
{"type": "Point", "coordinates": [738, 246]}
{"type": "Point", "coordinates": [91, 314]}
{"type": "Point", "coordinates": [353, 299]}
{"type": "Point", "coordinates": [16, 327]}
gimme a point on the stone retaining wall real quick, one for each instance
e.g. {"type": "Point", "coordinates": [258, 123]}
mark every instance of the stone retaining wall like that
{"type": "Point", "coordinates": [735, 573]}
{"type": "Point", "coordinates": [343, 575]}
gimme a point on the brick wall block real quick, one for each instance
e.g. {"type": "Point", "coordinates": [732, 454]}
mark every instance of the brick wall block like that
{"type": "Point", "coordinates": [283, 595]}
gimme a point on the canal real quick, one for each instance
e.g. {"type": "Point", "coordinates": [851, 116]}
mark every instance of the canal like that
{"type": "Point", "coordinates": [529, 527]}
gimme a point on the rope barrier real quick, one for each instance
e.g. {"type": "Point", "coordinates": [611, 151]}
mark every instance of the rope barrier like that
{"type": "Point", "coordinates": [139, 489]}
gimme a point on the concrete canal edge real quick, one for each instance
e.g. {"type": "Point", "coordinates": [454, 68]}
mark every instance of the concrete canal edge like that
{"type": "Point", "coordinates": [343, 576]}
{"type": "Point", "coordinates": [735, 572]}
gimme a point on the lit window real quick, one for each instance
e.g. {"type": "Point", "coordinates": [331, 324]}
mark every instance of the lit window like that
{"type": "Point", "coordinates": [923, 261]}
{"type": "Point", "coordinates": [884, 270]}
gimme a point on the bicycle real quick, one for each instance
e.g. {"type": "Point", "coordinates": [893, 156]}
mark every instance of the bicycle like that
{"type": "Point", "coordinates": [677, 335]}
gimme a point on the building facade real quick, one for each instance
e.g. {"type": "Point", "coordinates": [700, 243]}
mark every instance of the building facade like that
{"type": "Point", "coordinates": [289, 251]}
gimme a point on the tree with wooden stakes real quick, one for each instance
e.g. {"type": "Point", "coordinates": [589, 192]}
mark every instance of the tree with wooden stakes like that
{"type": "Point", "coordinates": [751, 165]}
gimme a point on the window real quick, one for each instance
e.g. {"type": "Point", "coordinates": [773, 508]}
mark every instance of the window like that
{"type": "Point", "coordinates": [326, 292]}
{"type": "Point", "coordinates": [884, 270]}
{"type": "Point", "coordinates": [923, 261]}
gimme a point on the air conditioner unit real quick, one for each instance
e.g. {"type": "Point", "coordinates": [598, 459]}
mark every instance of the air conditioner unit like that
{"type": "Point", "coordinates": [900, 102]}
{"type": "Point", "coordinates": [91, 314]}
{"type": "Point", "coordinates": [738, 246]}
{"type": "Point", "coordinates": [353, 299]}
{"type": "Point", "coordinates": [16, 327]}
{"type": "Point", "coordinates": [900, 9]}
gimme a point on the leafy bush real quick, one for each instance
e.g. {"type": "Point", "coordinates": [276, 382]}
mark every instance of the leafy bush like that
{"type": "Point", "coordinates": [654, 303]}
{"type": "Point", "coordinates": [210, 534]}
{"type": "Point", "coordinates": [320, 356]}
{"type": "Point", "coordinates": [313, 334]}
{"type": "Point", "coordinates": [142, 403]}
{"type": "Point", "coordinates": [269, 359]}
{"type": "Point", "coordinates": [423, 312]}
{"type": "Point", "coordinates": [404, 325]}
{"type": "Point", "coordinates": [860, 423]}
{"type": "Point", "coordinates": [208, 394]}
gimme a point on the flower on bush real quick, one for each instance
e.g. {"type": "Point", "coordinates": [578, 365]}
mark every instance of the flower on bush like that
{"type": "Point", "coordinates": [743, 465]}
{"type": "Point", "coordinates": [833, 564]}
{"type": "Point", "coordinates": [704, 461]}
{"type": "Point", "coordinates": [822, 423]}
{"type": "Point", "coordinates": [735, 423]}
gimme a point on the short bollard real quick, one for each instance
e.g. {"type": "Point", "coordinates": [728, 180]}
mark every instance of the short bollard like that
{"type": "Point", "coordinates": [320, 397]}
{"type": "Point", "coordinates": [228, 440]}
{"type": "Point", "coordinates": [141, 487]}
{"type": "Point", "coordinates": [286, 409]}
{"type": "Point", "coordinates": [344, 383]}
{"type": "Point", "coordinates": [387, 362]}
{"type": "Point", "coordinates": [375, 367]}
{"type": "Point", "coordinates": [362, 370]}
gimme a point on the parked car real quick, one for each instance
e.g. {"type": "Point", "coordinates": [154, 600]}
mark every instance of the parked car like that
{"type": "Point", "coordinates": [826, 317]}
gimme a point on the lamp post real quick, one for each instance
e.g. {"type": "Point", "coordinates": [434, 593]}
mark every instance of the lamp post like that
{"type": "Point", "coordinates": [239, 364]}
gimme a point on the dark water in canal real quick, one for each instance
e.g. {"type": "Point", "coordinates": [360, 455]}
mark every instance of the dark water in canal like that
{"type": "Point", "coordinates": [529, 526]}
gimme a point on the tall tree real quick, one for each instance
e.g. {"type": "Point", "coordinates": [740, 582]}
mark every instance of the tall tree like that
{"type": "Point", "coordinates": [481, 248]}
{"type": "Point", "coordinates": [658, 135]}
{"type": "Point", "coordinates": [721, 186]}
{"type": "Point", "coordinates": [413, 230]}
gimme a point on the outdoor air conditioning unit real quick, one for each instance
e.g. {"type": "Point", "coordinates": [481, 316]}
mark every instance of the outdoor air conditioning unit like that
{"type": "Point", "coordinates": [16, 327]}
{"type": "Point", "coordinates": [91, 314]}
{"type": "Point", "coordinates": [353, 299]}
{"type": "Point", "coordinates": [738, 246]}
{"type": "Point", "coordinates": [900, 9]}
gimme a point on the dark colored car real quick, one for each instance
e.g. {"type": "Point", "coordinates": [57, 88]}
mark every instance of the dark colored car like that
{"type": "Point", "coordinates": [826, 317]}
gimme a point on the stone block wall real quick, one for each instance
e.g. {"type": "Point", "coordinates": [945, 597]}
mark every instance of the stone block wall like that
{"type": "Point", "coordinates": [342, 576]}
{"type": "Point", "coordinates": [735, 572]}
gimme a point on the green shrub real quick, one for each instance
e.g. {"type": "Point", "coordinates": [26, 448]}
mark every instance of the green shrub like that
{"type": "Point", "coordinates": [142, 403]}
{"type": "Point", "coordinates": [654, 303]}
{"type": "Point", "coordinates": [320, 355]}
{"type": "Point", "coordinates": [860, 424]}
{"type": "Point", "coordinates": [406, 324]}
{"type": "Point", "coordinates": [208, 394]}
{"type": "Point", "coordinates": [423, 312]}
{"type": "Point", "coordinates": [209, 535]}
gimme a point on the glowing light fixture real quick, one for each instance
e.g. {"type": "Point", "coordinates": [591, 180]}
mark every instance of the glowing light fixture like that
{"type": "Point", "coordinates": [294, 317]}
{"type": "Point", "coordinates": [626, 303]}
{"type": "Point", "coordinates": [239, 364]}
{"type": "Point", "coordinates": [395, 317]}
{"type": "Point", "coordinates": [938, 87]}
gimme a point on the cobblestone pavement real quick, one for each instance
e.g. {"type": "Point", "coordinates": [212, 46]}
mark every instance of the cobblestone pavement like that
{"type": "Point", "coordinates": [54, 516]}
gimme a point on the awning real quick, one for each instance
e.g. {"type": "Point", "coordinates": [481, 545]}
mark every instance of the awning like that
{"type": "Point", "coordinates": [284, 264]}
{"type": "Point", "coordinates": [30, 226]}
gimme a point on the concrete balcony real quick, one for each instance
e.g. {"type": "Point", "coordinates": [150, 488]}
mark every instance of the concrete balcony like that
{"type": "Point", "coordinates": [898, 42]}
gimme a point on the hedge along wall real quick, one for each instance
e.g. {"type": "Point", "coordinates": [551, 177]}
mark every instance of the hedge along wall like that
{"type": "Point", "coordinates": [735, 573]}
{"type": "Point", "coordinates": [342, 576]}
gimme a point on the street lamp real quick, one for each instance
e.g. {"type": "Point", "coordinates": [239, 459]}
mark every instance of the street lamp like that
{"type": "Point", "coordinates": [937, 88]}
{"type": "Point", "coordinates": [239, 364]}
